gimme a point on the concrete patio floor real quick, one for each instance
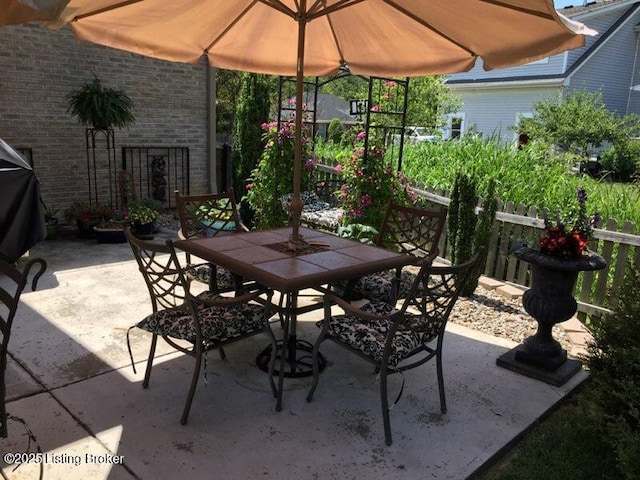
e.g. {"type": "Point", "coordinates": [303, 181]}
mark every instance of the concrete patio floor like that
{"type": "Point", "coordinates": [71, 381]}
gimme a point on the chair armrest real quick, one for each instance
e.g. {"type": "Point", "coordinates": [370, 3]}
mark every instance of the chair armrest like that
{"type": "Point", "coordinates": [355, 311]}
{"type": "Point", "coordinates": [429, 259]}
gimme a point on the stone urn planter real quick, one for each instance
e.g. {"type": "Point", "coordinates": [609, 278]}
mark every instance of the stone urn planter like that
{"type": "Point", "coordinates": [549, 301]}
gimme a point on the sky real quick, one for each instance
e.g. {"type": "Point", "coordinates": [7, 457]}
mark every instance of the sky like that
{"type": "Point", "coordinates": [563, 3]}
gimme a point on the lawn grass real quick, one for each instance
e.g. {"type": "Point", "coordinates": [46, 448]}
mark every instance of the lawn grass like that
{"type": "Point", "coordinates": [568, 445]}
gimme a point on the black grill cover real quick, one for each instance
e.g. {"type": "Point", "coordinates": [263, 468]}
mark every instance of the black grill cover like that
{"type": "Point", "coordinates": [22, 222]}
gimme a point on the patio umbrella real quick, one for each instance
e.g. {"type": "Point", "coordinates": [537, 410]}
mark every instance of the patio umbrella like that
{"type": "Point", "coordinates": [317, 37]}
{"type": "Point", "coordinates": [22, 11]}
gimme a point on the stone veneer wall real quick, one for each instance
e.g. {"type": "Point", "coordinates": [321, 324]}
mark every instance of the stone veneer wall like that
{"type": "Point", "coordinates": [39, 67]}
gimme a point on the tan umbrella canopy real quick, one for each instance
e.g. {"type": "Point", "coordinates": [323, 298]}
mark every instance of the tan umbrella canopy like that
{"type": "Point", "coordinates": [317, 37]}
{"type": "Point", "coordinates": [23, 11]}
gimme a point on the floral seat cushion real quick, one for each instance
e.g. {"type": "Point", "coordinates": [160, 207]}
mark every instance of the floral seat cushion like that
{"type": "Point", "coordinates": [369, 337]}
{"type": "Point", "coordinates": [307, 197]}
{"type": "Point", "coordinates": [202, 273]}
{"type": "Point", "coordinates": [218, 323]}
{"type": "Point", "coordinates": [327, 217]}
{"type": "Point", "coordinates": [315, 211]}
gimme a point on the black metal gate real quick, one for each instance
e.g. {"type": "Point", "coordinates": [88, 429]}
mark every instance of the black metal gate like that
{"type": "Point", "coordinates": [158, 171]}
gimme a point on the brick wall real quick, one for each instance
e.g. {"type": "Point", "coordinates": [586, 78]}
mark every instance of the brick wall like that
{"type": "Point", "coordinates": [39, 67]}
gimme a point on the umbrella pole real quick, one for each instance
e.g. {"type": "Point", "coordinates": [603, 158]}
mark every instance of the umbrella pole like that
{"type": "Point", "coordinates": [296, 241]}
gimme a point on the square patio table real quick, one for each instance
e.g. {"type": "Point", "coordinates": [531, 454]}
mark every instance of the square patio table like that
{"type": "Point", "coordinates": [263, 256]}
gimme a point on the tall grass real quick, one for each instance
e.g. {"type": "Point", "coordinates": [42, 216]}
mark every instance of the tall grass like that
{"type": "Point", "coordinates": [531, 176]}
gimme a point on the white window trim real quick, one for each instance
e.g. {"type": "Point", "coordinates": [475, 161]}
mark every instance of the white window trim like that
{"type": "Point", "coordinates": [448, 130]}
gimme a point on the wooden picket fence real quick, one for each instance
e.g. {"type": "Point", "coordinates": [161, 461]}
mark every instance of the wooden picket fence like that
{"type": "Point", "coordinates": [618, 244]}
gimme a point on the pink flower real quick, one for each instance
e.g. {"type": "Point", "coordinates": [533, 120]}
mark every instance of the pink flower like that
{"type": "Point", "coordinates": [249, 186]}
{"type": "Point", "coordinates": [365, 201]}
{"type": "Point", "coordinates": [309, 164]}
{"type": "Point", "coordinates": [390, 83]}
{"type": "Point", "coordinates": [361, 135]}
{"type": "Point", "coordinates": [375, 108]}
{"type": "Point", "coordinates": [338, 168]}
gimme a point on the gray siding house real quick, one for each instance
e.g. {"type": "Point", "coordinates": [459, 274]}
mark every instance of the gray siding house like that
{"type": "Point", "coordinates": [493, 101]}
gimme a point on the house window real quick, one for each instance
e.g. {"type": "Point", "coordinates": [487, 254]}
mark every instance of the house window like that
{"type": "Point", "coordinates": [457, 124]}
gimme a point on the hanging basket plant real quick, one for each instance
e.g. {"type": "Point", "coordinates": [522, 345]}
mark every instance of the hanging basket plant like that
{"type": "Point", "coordinates": [100, 107]}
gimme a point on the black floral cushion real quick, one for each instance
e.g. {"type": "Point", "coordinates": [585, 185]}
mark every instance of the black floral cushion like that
{"type": "Point", "coordinates": [315, 211]}
{"type": "Point", "coordinates": [369, 337]}
{"type": "Point", "coordinates": [377, 286]}
{"type": "Point", "coordinates": [202, 273]}
{"type": "Point", "coordinates": [218, 323]}
{"type": "Point", "coordinates": [327, 217]}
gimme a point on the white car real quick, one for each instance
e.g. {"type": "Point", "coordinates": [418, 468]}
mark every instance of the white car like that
{"type": "Point", "coordinates": [418, 135]}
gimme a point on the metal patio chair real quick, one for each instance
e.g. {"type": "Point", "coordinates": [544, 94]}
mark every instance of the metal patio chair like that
{"type": "Point", "coordinates": [397, 339]}
{"type": "Point", "coordinates": [206, 322]}
{"type": "Point", "coordinates": [411, 230]}
{"type": "Point", "coordinates": [12, 283]}
{"type": "Point", "coordinates": [209, 215]}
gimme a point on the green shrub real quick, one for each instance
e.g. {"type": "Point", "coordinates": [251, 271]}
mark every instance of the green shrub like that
{"type": "Point", "coordinates": [621, 160]}
{"type": "Point", "coordinates": [614, 360]}
{"type": "Point", "coordinates": [335, 131]}
{"type": "Point", "coordinates": [466, 231]}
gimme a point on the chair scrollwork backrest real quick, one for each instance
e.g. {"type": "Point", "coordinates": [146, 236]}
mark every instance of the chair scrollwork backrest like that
{"type": "Point", "coordinates": [411, 230]}
{"type": "Point", "coordinates": [434, 294]}
{"type": "Point", "coordinates": [208, 215]}
{"type": "Point", "coordinates": [161, 270]}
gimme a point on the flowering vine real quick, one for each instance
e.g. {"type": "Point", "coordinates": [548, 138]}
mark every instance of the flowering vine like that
{"type": "Point", "coordinates": [273, 177]}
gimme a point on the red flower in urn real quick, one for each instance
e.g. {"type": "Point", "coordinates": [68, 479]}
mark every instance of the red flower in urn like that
{"type": "Point", "coordinates": [568, 236]}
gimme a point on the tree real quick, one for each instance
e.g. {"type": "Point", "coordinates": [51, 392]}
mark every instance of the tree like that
{"type": "Point", "coordinates": [252, 111]}
{"type": "Point", "coordinates": [429, 101]}
{"type": "Point", "coordinates": [227, 91]}
{"type": "Point", "coordinates": [577, 122]}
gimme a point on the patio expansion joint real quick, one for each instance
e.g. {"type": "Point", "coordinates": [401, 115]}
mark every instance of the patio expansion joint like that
{"type": "Point", "coordinates": [51, 392]}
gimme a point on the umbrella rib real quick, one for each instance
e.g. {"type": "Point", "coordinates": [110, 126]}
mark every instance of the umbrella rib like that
{"type": "Point", "coordinates": [528, 11]}
{"type": "Point", "coordinates": [392, 4]}
{"type": "Point", "coordinates": [316, 12]}
{"type": "Point", "coordinates": [281, 7]}
{"type": "Point", "coordinates": [335, 39]}
{"type": "Point", "coordinates": [231, 25]}
{"type": "Point", "coordinates": [105, 9]}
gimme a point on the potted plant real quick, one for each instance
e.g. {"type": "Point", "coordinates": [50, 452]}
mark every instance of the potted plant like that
{"type": "Point", "coordinates": [142, 215]}
{"type": "Point", "coordinates": [52, 222]}
{"type": "Point", "coordinates": [86, 217]}
{"type": "Point", "coordinates": [111, 228]}
{"type": "Point", "coordinates": [100, 107]}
